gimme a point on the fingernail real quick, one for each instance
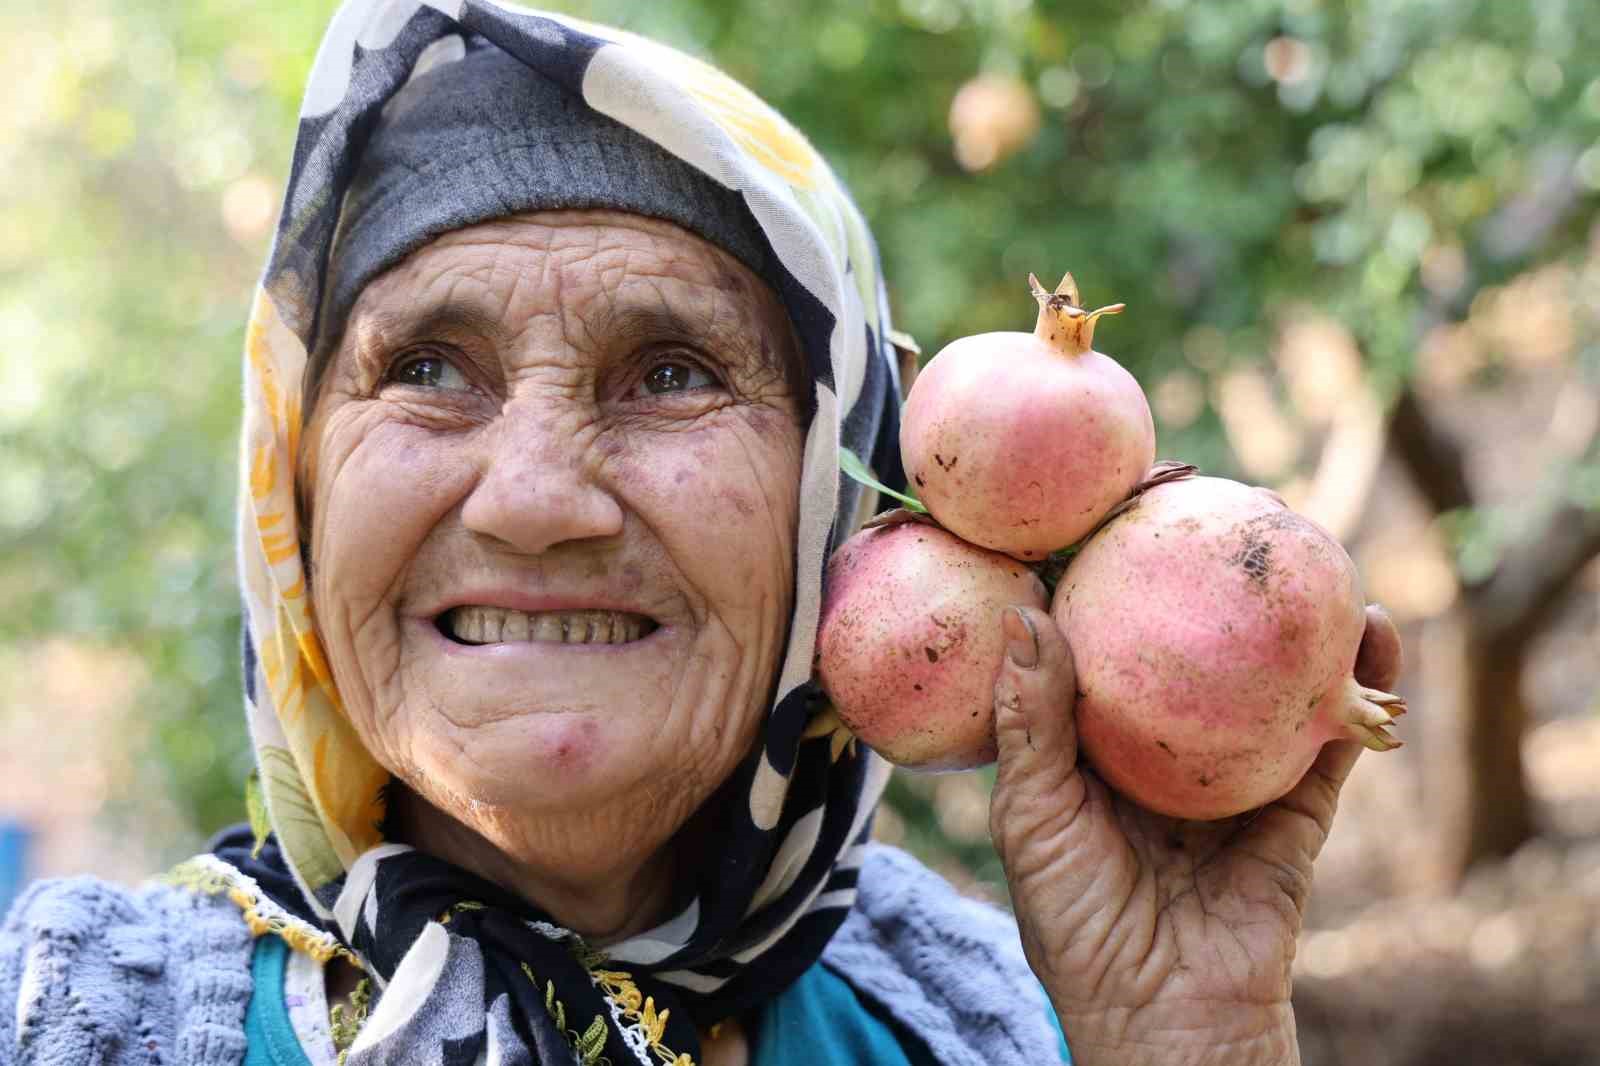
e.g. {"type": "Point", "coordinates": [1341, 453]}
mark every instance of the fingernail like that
{"type": "Point", "coordinates": [1022, 643]}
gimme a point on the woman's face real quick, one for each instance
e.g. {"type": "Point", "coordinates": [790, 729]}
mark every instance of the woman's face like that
{"type": "Point", "coordinates": [553, 486]}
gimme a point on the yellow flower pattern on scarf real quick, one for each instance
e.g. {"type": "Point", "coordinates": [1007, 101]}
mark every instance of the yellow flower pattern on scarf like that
{"type": "Point", "coordinates": [321, 787]}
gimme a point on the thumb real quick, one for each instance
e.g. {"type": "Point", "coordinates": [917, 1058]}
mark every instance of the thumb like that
{"type": "Point", "coordinates": [1034, 694]}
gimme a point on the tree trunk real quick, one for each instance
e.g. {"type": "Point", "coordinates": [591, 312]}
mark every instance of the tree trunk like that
{"type": "Point", "coordinates": [1499, 811]}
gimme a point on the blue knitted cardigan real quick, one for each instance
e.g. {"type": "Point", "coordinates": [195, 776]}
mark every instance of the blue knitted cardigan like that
{"type": "Point", "coordinates": [94, 974]}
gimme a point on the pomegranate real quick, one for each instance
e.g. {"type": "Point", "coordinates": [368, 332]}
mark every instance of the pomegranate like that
{"type": "Point", "coordinates": [1215, 634]}
{"type": "Point", "coordinates": [992, 117]}
{"type": "Point", "coordinates": [1021, 443]}
{"type": "Point", "coordinates": [910, 641]}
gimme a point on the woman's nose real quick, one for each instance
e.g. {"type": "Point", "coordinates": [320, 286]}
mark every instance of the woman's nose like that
{"type": "Point", "coordinates": [537, 489]}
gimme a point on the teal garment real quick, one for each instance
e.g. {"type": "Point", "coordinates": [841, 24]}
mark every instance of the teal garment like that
{"type": "Point", "coordinates": [269, 1038]}
{"type": "Point", "coordinates": [817, 1021]}
{"type": "Point", "coordinates": [820, 1020]}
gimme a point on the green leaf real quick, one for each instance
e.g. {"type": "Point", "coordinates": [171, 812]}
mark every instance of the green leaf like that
{"type": "Point", "coordinates": [256, 805]}
{"type": "Point", "coordinates": [851, 464]}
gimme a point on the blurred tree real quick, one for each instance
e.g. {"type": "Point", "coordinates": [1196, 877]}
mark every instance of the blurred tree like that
{"type": "Point", "coordinates": [1221, 167]}
{"type": "Point", "coordinates": [139, 150]}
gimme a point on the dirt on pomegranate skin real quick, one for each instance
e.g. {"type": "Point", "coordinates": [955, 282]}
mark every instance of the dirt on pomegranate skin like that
{"type": "Point", "coordinates": [910, 642]}
{"type": "Point", "coordinates": [997, 474]}
{"type": "Point", "coordinates": [1022, 442]}
{"type": "Point", "coordinates": [1214, 633]}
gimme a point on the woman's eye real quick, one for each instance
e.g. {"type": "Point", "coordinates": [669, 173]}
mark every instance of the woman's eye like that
{"type": "Point", "coordinates": [428, 371]}
{"type": "Point", "coordinates": [673, 375]}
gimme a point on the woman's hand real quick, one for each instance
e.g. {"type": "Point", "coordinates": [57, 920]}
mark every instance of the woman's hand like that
{"type": "Point", "coordinates": [1160, 941]}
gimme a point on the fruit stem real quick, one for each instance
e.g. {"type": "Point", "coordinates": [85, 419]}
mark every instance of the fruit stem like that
{"type": "Point", "coordinates": [1063, 323]}
{"type": "Point", "coordinates": [1368, 714]}
{"type": "Point", "coordinates": [900, 516]}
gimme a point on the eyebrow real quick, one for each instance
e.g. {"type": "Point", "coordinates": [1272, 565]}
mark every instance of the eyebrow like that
{"type": "Point", "coordinates": [448, 317]}
{"type": "Point", "coordinates": [739, 337]}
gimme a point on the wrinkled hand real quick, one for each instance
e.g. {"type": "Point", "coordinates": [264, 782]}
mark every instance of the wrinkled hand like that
{"type": "Point", "coordinates": [1160, 941]}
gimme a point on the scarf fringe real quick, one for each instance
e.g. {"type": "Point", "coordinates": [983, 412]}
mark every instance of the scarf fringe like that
{"type": "Point", "coordinates": [206, 875]}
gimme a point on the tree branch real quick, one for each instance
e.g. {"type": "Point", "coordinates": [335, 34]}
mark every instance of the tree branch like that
{"type": "Point", "coordinates": [1430, 453]}
{"type": "Point", "coordinates": [1517, 600]}
{"type": "Point", "coordinates": [1527, 588]}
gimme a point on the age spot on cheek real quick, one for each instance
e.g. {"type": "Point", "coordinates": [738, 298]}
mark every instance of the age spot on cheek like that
{"type": "Point", "coordinates": [738, 501]}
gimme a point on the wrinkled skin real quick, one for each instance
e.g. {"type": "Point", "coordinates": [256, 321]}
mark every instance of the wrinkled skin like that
{"type": "Point", "coordinates": [1160, 941]}
{"type": "Point", "coordinates": [606, 417]}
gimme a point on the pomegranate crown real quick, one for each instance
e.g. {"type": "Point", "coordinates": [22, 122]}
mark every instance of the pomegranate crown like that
{"type": "Point", "coordinates": [1063, 323]}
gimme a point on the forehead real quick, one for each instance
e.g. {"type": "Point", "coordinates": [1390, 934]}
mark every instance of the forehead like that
{"type": "Point", "coordinates": [577, 267]}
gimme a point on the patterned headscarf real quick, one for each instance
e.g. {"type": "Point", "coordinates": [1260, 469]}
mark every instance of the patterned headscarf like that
{"type": "Point", "coordinates": [466, 967]}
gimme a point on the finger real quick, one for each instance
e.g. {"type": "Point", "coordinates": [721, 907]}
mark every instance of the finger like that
{"type": "Point", "coordinates": [1289, 834]}
{"type": "Point", "coordinates": [1033, 702]}
{"type": "Point", "coordinates": [1315, 798]}
{"type": "Point", "coordinates": [1381, 657]}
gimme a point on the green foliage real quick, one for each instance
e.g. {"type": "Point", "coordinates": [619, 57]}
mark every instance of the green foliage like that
{"type": "Point", "coordinates": [851, 464]}
{"type": "Point", "coordinates": [1212, 164]}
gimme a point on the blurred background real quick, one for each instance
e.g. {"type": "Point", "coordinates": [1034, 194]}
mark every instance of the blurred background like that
{"type": "Point", "coordinates": [1360, 246]}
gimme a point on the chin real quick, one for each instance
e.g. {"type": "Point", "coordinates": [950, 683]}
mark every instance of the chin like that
{"type": "Point", "coordinates": [538, 762]}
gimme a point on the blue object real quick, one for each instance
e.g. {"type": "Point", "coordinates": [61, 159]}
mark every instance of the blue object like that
{"type": "Point", "coordinates": [819, 1019]}
{"type": "Point", "coordinates": [269, 1038]}
{"type": "Point", "coordinates": [14, 840]}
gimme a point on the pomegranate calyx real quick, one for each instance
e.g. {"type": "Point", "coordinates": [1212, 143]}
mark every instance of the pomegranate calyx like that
{"type": "Point", "coordinates": [1370, 712]}
{"type": "Point", "coordinates": [1063, 323]}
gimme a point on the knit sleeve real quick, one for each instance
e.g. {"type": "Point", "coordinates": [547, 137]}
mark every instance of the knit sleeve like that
{"type": "Point", "coordinates": [95, 973]}
{"type": "Point", "coordinates": [10, 978]}
{"type": "Point", "coordinates": [948, 969]}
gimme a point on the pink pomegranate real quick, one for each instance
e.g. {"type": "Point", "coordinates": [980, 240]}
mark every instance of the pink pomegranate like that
{"type": "Point", "coordinates": [1214, 633]}
{"type": "Point", "coordinates": [1022, 442]}
{"type": "Point", "coordinates": [910, 642]}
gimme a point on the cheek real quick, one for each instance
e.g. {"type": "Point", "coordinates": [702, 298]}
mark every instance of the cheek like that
{"type": "Point", "coordinates": [377, 501]}
{"type": "Point", "coordinates": [724, 503]}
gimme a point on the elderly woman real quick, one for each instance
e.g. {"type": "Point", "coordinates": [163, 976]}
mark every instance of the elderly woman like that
{"type": "Point", "coordinates": [545, 390]}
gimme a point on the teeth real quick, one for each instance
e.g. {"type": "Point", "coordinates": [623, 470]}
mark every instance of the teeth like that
{"type": "Point", "coordinates": [496, 625]}
{"type": "Point", "coordinates": [494, 621]}
{"type": "Point", "coordinates": [515, 627]}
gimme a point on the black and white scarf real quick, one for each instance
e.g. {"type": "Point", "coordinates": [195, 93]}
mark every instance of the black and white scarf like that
{"type": "Point", "coordinates": [467, 971]}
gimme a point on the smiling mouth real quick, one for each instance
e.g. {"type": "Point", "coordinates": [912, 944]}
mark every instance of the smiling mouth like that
{"type": "Point", "coordinates": [475, 626]}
